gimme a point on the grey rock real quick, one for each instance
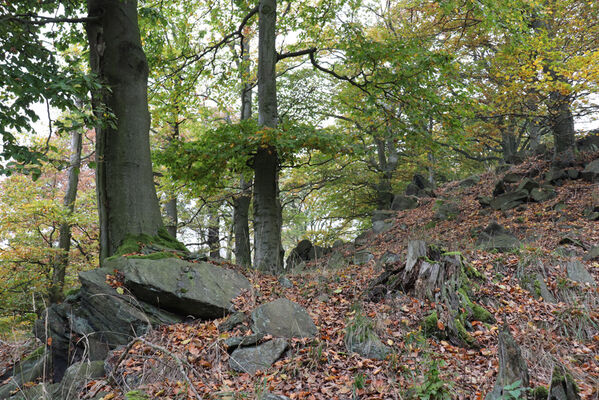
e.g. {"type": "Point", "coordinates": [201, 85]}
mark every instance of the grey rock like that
{"type": "Point", "coordinates": [242, 341]}
{"type": "Point", "coordinates": [198, 289]}
{"type": "Point", "coordinates": [401, 203]}
{"type": "Point", "coordinates": [528, 185]}
{"type": "Point", "coordinates": [591, 171]}
{"type": "Point", "coordinates": [232, 322]}
{"type": "Point", "coordinates": [542, 194]}
{"type": "Point", "coordinates": [362, 257]}
{"type": "Point", "coordinates": [589, 142]}
{"type": "Point", "coordinates": [445, 210]}
{"type": "Point", "coordinates": [301, 252]}
{"type": "Point", "coordinates": [556, 175]}
{"type": "Point", "coordinates": [388, 260]}
{"type": "Point", "coordinates": [337, 261]}
{"type": "Point", "coordinates": [381, 215]}
{"type": "Point", "coordinates": [472, 180]}
{"type": "Point", "coordinates": [495, 236]}
{"type": "Point", "coordinates": [370, 347]}
{"type": "Point", "coordinates": [27, 370]}
{"type": "Point", "coordinates": [363, 238]}
{"type": "Point", "coordinates": [573, 173]}
{"type": "Point", "coordinates": [381, 226]}
{"type": "Point", "coordinates": [283, 318]}
{"type": "Point", "coordinates": [285, 282]}
{"type": "Point", "coordinates": [512, 177]}
{"type": "Point", "coordinates": [593, 254]}
{"type": "Point", "coordinates": [484, 201]}
{"type": "Point", "coordinates": [272, 396]}
{"type": "Point", "coordinates": [338, 243]}
{"type": "Point", "coordinates": [259, 358]}
{"type": "Point", "coordinates": [578, 273]}
{"type": "Point", "coordinates": [509, 200]}
{"type": "Point", "coordinates": [76, 376]}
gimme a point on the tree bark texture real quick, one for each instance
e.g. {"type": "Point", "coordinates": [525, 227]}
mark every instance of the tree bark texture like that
{"type": "Point", "coordinates": [64, 241]}
{"type": "Point", "coordinates": [241, 204]}
{"type": "Point", "coordinates": [267, 211]}
{"type": "Point", "coordinates": [214, 232]}
{"type": "Point", "coordinates": [127, 198]}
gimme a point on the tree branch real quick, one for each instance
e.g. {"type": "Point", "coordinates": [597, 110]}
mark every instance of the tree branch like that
{"type": "Point", "coordinates": [282, 56]}
{"type": "Point", "coordinates": [33, 19]}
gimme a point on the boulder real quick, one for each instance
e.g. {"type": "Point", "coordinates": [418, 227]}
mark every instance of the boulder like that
{"type": "Point", "coordinates": [556, 175]}
{"type": "Point", "coordinates": [76, 376]}
{"type": "Point", "coordinates": [233, 342]}
{"type": "Point", "coordinates": [301, 252]}
{"type": "Point", "coordinates": [283, 318]}
{"type": "Point", "coordinates": [591, 171]}
{"type": "Point", "coordinates": [588, 143]}
{"type": "Point", "coordinates": [381, 226]}
{"type": "Point", "coordinates": [578, 273]}
{"type": "Point", "coordinates": [381, 215]}
{"type": "Point", "coordinates": [27, 370]}
{"type": "Point", "coordinates": [258, 358]}
{"type": "Point", "coordinates": [445, 210]}
{"type": "Point", "coordinates": [360, 338]}
{"type": "Point", "coordinates": [573, 173]}
{"type": "Point", "coordinates": [232, 322]}
{"type": "Point", "coordinates": [401, 203]}
{"type": "Point", "coordinates": [200, 290]}
{"type": "Point", "coordinates": [496, 237]}
{"type": "Point", "coordinates": [472, 180]}
{"type": "Point", "coordinates": [388, 260]}
{"type": "Point", "coordinates": [543, 193]}
{"type": "Point", "coordinates": [512, 177]}
{"type": "Point", "coordinates": [562, 385]}
{"type": "Point", "coordinates": [337, 261]}
{"type": "Point", "coordinates": [363, 238]}
{"type": "Point", "coordinates": [528, 185]}
{"type": "Point", "coordinates": [512, 367]}
{"type": "Point", "coordinates": [593, 254]}
{"type": "Point", "coordinates": [509, 200]}
{"type": "Point", "coordinates": [362, 257]}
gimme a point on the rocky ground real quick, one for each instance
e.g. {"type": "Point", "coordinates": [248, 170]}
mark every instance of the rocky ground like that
{"type": "Point", "coordinates": [538, 282]}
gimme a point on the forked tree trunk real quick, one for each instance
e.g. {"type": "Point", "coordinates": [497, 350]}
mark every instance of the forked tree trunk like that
{"type": "Point", "coordinates": [64, 242]}
{"type": "Point", "coordinates": [267, 212]}
{"type": "Point", "coordinates": [127, 200]}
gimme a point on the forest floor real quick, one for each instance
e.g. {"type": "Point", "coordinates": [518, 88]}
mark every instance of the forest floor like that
{"type": "Point", "coordinates": [322, 368]}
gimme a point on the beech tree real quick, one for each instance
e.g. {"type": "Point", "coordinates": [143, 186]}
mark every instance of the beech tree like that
{"type": "Point", "coordinates": [127, 200]}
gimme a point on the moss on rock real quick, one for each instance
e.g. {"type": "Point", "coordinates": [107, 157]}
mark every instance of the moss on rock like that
{"type": "Point", "coordinates": [134, 243]}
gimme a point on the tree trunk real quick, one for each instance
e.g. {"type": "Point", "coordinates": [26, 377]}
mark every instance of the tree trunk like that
{"type": "Point", "coordinates": [267, 212]}
{"type": "Point", "coordinates": [214, 233]}
{"type": "Point", "coordinates": [241, 204]}
{"type": "Point", "coordinates": [172, 217]}
{"type": "Point", "coordinates": [241, 207]}
{"type": "Point", "coordinates": [563, 131]}
{"type": "Point", "coordinates": [127, 200]}
{"type": "Point", "coordinates": [64, 242]}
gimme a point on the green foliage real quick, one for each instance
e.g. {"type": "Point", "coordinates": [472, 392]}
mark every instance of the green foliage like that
{"type": "Point", "coordinates": [433, 387]}
{"type": "Point", "coordinates": [514, 391]}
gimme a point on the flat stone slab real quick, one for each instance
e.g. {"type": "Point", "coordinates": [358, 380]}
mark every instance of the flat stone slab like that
{"type": "Point", "coordinates": [259, 358]}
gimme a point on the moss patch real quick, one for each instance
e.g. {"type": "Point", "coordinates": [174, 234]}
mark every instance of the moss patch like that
{"type": "Point", "coordinates": [134, 243]}
{"type": "Point", "coordinates": [540, 393]}
{"type": "Point", "coordinates": [429, 324]}
{"type": "Point", "coordinates": [136, 395]}
{"type": "Point", "coordinates": [155, 256]}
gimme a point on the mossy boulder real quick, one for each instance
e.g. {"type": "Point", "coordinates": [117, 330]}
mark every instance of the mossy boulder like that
{"type": "Point", "coordinates": [283, 318]}
{"type": "Point", "coordinates": [563, 386]}
{"type": "Point", "coordinates": [200, 290]}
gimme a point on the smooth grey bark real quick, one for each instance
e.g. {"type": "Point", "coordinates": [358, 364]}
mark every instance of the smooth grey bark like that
{"type": "Point", "coordinates": [214, 232]}
{"type": "Point", "coordinates": [386, 164]}
{"type": "Point", "coordinates": [170, 208]}
{"type": "Point", "coordinates": [267, 210]}
{"type": "Point", "coordinates": [241, 203]}
{"type": "Point", "coordinates": [172, 217]}
{"type": "Point", "coordinates": [64, 241]}
{"type": "Point", "coordinates": [127, 200]}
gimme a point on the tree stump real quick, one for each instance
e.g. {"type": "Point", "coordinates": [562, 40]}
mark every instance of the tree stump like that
{"type": "Point", "coordinates": [430, 273]}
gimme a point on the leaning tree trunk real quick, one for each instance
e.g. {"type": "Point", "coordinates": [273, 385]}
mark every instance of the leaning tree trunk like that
{"type": "Point", "coordinates": [267, 212]}
{"type": "Point", "coordinates": [241, 203]}
{"type": "Point", "coordinates": [127, 200]}
{"type": "Point", "coordinates": [64, 242]}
